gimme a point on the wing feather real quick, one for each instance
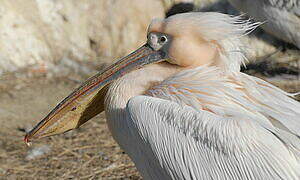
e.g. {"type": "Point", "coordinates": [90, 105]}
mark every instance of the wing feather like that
{"type": "Point", "coordinates": [292, 6]}
{"type": "Point", "coordinates": [184, 143]}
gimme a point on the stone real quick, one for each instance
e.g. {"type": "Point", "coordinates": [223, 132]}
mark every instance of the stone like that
{"type": "Point", "coordinates": [43, 32]}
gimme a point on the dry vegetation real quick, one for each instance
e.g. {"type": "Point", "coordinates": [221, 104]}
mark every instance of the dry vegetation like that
{"type": "Point", "coordinates": [86, 153]}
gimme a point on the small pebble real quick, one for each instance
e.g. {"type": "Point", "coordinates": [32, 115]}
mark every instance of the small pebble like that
{"type": "Point", "coordinates": [37, 152]}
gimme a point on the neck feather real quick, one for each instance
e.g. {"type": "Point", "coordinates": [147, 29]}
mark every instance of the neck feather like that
{"type": "Point", "coordinates": [137, 83]}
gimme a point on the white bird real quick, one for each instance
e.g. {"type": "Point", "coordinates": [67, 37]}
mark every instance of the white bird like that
{"type": "Point", "coordinates": [181, 109]}
{"type": "Point", "coordinates": [282, 17]}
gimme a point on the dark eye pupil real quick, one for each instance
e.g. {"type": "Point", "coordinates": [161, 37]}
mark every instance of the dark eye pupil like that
{"type": "Point", "coordinates": [163, 39]}
{"type": "Point", "coordinates": [73, 109]}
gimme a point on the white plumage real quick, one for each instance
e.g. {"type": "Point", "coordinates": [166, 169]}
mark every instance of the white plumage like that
{"type": "Point", "coordinates": [209, 126]}
{"type": "Point", "coordinates": [281, 17]}
{"type": "Point", "coordinates": [214, 122]}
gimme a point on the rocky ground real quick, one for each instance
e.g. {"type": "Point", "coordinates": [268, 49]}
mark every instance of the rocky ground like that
{"type": "Point", "coordinates": [28, 94]}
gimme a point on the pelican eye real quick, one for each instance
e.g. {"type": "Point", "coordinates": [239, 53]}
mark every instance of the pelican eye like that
{"type": "Point", "coordinates": [158, 40]}
{"type": "Point", "coordinates": [74, 108]}
{"type": "Point", "coordinates": [163, 39]}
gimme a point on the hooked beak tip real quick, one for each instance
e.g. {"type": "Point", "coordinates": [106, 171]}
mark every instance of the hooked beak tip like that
{"type": "Point", "coordinates": [26, 140]}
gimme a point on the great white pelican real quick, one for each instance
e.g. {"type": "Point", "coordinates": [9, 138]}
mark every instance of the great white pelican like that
{"type": "Point", "coordinates": [181, 109]}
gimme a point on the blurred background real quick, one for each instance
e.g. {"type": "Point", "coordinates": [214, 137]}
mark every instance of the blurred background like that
{"type": "Point", "coordinates": [48, 47]}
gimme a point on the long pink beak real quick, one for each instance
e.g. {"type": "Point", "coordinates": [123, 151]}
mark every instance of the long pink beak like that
{"type": "Point", "coordinates": [88, 100]}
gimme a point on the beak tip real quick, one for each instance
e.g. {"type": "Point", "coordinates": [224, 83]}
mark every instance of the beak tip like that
{"type": "Point", "coordinates": [26, 140]}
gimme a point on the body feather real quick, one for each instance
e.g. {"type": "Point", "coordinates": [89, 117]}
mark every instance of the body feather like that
{"type": "Point", "coordinates": [232, 95]}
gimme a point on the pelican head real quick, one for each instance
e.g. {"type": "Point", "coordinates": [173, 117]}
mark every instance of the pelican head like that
{"type": "Point", "coordinates": [185, 40]}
